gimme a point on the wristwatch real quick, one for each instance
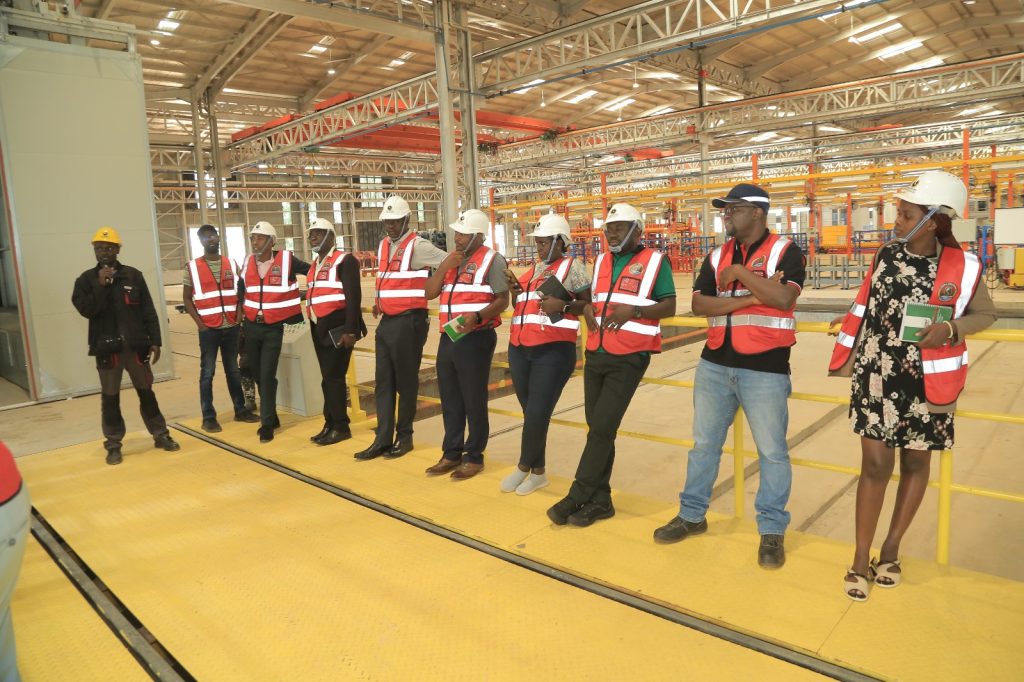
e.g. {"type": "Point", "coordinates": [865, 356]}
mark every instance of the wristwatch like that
{"type": "Point", "coordinates": [636, 311]}
{"type": "Point", "coordinates": [565, 308]}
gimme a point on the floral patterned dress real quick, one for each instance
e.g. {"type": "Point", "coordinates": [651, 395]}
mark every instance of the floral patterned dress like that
{"type": "Point", "coordinates": [887, 400]}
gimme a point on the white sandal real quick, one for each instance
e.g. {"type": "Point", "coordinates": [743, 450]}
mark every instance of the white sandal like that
{"type": "Point", "coordinates": [857, 589]}
{"type": "Point", "coordinates": [887, 573]}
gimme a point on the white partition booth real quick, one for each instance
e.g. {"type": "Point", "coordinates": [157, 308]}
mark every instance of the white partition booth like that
{"type": "Point", "coordinates": [74, 156]}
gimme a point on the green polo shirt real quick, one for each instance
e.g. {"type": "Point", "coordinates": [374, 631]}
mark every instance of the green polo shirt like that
{"type": "Point", "coordinates": [664, 287]}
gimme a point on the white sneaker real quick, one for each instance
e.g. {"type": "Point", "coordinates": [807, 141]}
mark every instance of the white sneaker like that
{"type": "Point", "coordinates": [534, 482]}
{"type": "Point", "coordinates": [512, 481]}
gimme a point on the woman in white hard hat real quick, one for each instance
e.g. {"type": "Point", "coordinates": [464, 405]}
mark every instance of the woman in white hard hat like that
{"type": "Point", "coordinates": [908, 363]}
{"type": "Point", "coordinates": [542, 344]}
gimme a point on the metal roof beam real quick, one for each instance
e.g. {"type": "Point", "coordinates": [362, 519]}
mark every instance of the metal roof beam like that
{"type": "Point", "coordinates": [231, 51]}
{"type": "Point", "coordinates": [388, 17]}
{"type": "Point", "coordinates": [341, 71]}
{"type": "Point", "coordinates": [927, 88]}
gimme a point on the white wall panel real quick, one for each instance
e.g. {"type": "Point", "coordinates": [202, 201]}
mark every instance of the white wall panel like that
{"type": "Point", "coordinates": [75, 154]}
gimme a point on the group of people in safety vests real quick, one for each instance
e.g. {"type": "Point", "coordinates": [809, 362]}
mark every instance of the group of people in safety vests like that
{"type": "Point", "coordinates": [903, 392]}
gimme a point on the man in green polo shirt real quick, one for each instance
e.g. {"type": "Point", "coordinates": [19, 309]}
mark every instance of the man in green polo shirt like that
{"type": "Point", "coordinates": [632, 291]}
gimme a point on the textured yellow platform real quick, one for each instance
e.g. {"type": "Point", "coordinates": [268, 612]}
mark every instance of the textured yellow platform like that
{"type": "Point", "coordinates": [942, 623]}
{"type": "Point", "coordinates": [59, 636]}
{"type": "Point", "coordinates": [246, 574]}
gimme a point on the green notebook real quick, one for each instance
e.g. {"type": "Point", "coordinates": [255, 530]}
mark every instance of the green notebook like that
{"type": "Point", "coordinates": [449, 328]}
{"type": "Point", "coordinates": [917, 316]}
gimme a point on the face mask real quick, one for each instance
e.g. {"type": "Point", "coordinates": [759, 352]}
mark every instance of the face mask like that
{"type": "Point", "coordinates": [550, 258]}
{"type": "Point", "coordinates": [920, 223]}
{"type": "Point", "coordinates": [625, 240]}
{"type": "Point", "coordinates": [264, 249]}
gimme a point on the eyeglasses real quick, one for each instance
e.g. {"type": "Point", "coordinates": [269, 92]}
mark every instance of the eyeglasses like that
{"type": "Point", "coordinates": [732, 208]}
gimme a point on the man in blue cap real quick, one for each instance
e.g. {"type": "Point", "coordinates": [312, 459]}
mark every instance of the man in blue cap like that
{"type": "Point", "coordinates": [747, 288]}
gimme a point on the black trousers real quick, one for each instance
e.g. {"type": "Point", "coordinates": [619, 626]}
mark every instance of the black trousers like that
{"type": "Point", "coordinates": [263, 348]}
{"type": "Point", "coordinates": [111, 368]}
{"type": "Point", "coordinates": [333, 366]}
{"type": "Point", "coordinates": [463, 370]}
{"type": "Point", "coordinates": [609, 382]}
{"type": "Point", "coordinates": [399, 349]}
{"type": "Point", "coordinates": [539, 374]}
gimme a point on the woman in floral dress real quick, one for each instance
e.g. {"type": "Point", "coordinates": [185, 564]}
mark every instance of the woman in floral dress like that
{"type": "Point", "coordinates": [889, 408]}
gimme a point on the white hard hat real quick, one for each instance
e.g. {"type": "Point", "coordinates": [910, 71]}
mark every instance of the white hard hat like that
{"type": "Point", "coordinates": [264, 228]}
{"type": "Point", "coordinates": [473, 221]}
{"type": "Point", "coordinates": [624, 213]}
{"type": "Point", "coordinates": [937, 188]}
{"type": "Point", "coordinates": [394, 207]}
{"type": "Point", "coordinates": [322, 224]}
{"type": "Point", "coordinates": [553, 225]}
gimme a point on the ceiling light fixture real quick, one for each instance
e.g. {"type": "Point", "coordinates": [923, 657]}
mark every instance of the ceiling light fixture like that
{"type": "Point", "coordinates": [331, 71]}
{"type": "Point", "coordinates": [635, 84]}
{"type": "Point", "coordinates": [154, 42]}
{"type": "Point", "coordinates": [900, 49]}
{"type": "Point", "coordinates": [876, 34]}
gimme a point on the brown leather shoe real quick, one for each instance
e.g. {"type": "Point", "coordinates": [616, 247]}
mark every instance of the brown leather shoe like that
{"type": "Point", "coordinates": [443, 466]}
{"type": "Point", "coordinates": [467, 470]}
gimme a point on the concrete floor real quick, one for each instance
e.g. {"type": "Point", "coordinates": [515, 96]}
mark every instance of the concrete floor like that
{"type": "Point", "coordinates": [986, 534]}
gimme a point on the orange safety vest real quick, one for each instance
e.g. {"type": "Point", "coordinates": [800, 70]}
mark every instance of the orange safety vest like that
{"type": "Point", "coordinates": [759, 328]}
{"type": "Point", "coordinates": [944, 368]}
{"type": "Point", "coordinates": [469, 291]}
{"type": "Point", "coordinates": [530, 326]}
{"type": "Point", "coordinates": [274, 295]}
{"type": "Point", "coordinates": [214, 300]}
{"type": "Point", "coordinates": [633, 288]}
{"type": "Point", "coordinates": [399, 288]}
{"type": "Point", "coordinates": [325, 293]}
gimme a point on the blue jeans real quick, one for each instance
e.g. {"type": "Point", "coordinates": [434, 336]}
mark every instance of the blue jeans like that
{"type": "Point", "coordinates": [224, 341]}
{"type": "Point", "coordinates": [718, 391]}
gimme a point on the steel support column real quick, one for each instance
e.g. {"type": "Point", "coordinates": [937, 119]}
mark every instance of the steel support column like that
{"type": "Point", "coordinates": [467, 106]}
{"type": "Point", "coordinates": [449, 208]}
{"type": "Point", "coordinates": [197, 151]}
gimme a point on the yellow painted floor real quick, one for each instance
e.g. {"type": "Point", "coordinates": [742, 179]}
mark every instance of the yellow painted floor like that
{"type": "Point", "coordinates": [58, 634]}
{"type": "Point", "coordinates": [243, 573]}
{"type": "Point", "coordinates": [942, 623]}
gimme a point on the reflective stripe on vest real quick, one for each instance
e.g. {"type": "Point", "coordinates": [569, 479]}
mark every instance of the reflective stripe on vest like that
{"type": "Point", "coordinates": [399, 288]}
{"type": "Point", "coordinates": [325, 293]}
{"type": "Point", "coordinates": [530, 325]}
{"type": "Point", "coordinates": [945, 367]}
{"type": "Point", "coordinates": [466, 292]}
{"type": "Point", "coordinates": [633, 288]}
{"type": "Point", "coordinates": [214, 299]}
{"type": "Point", "coordinates": [279, 299]}
{"type": "Point", "coordinates": [757, 328]}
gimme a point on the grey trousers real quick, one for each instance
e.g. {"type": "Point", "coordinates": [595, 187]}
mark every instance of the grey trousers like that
{"type": "Point", "coordinates": [14, 525]}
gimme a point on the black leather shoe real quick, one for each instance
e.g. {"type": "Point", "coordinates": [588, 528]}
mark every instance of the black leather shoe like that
{"type": "Point", "coordinates": [248, 416]}
{"type": "Point", "coordinates": [266, 434]}
{"type": "Point", "coordinates": [679, 528]}
{"type": "Point", "coordinates": [165, 442]}
{"type": "Point", "coordinates": [323, 432]}
{"type": "Point", "coordinates": [591, 512]}
{"type": "Point", "coordinates": [211, 426]}
{"type": "Point", "coordinates": [398, 449]}
{"type": "Point", "coordinates": [372, 452]}
{"type": "Point", "coordinates": [114, 456]}
{"type": "Point", "coordinates": [277, 422]}
{"type": "Point", "coordinates": [334, 436]}
{"type": "Point", "coordinates": [771, 554]}
{"type": "Point", "coordinates": [559, 512]}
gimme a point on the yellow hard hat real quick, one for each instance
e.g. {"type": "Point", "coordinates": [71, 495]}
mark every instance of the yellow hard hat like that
{"type": "Point", "coordinates": [107, 234]}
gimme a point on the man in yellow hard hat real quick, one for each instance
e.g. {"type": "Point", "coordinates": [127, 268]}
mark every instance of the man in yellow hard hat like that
{"type": "Point", "coordinates": [124, 335]}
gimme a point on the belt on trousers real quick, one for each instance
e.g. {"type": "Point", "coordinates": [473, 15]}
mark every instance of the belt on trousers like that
{"type": "Point", "coordinates": [406, 313]}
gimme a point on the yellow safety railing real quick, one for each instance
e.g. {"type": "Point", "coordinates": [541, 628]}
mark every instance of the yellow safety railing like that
{"type": "Point", "coordinates": [740, 454]}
